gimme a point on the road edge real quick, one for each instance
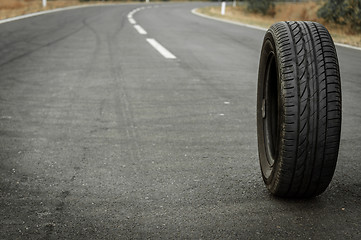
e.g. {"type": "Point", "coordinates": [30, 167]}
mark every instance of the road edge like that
{"type": "Point", "coordinates": [6, 20]}
{"type": "Point", "coordinates": [194, 11]}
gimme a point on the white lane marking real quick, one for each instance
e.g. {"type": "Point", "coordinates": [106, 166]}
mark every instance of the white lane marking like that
{"type": "Point", "coordinates": [131, 20]}
{"type": "Point", "coordinates": [140, 29]}
{"type": "Point", "coordinates": [194, 11]}
{"type": "Point", "coordinates": [161, 49]}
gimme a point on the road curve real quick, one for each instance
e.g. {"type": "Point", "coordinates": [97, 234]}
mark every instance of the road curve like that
{"type": "Point", "coordinates": [103, 137]}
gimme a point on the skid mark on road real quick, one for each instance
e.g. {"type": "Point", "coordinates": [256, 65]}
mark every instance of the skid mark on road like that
{"type": "Point", "coordinates": [124, 111]}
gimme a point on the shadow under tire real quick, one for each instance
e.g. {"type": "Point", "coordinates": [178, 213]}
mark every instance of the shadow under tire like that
{"type": "Point", "coordinates": [298, 109]}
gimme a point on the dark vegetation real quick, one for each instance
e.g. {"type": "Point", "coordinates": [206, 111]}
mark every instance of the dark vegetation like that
{"type": "Point", "coordinates": [343, 12]}
{"type": "Point", "coordinates": [261, 6]}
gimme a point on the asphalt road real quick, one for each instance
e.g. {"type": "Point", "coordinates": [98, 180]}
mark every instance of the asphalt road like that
{"type": "Point", "coordinates": [101, 137]}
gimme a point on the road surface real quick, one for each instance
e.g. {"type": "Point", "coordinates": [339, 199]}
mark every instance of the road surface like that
{"type": "Point", "coordinates": [104, 137]}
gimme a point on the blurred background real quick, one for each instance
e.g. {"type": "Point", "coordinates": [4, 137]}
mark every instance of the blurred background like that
{"type": "Point", "coordinates": [341, 17]}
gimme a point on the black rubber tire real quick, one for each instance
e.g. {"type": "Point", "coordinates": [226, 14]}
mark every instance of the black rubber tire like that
{"type": "Point", "coordinates": [298, 109]}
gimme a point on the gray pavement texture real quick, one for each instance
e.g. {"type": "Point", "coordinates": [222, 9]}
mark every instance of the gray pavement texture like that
{"type": "Point", "coordinates": [103, 138]}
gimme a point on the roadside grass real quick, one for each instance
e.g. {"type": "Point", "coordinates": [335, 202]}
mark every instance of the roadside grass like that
{"type": "Point", "coordinates": [306, 11]}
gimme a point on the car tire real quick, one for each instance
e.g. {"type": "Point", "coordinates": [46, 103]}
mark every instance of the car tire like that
{"type": "Point", "coordinates": [298, 109]}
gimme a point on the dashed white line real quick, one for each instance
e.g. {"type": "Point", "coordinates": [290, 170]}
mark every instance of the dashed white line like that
{"type": "Point", "coordinates": [130, 16]}
{"type": "Point", "coordinates": [131, 20]}
{"type": "Point", "coordinates": [140, 29]}
{"type": "Point", "coordinates": [165, 53]}
{"type": "Point", "coordinates": [162, 50]}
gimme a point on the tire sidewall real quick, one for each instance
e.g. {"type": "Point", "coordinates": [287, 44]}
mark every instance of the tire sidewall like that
{"type": "Point", "coordinates": [269, 173]}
